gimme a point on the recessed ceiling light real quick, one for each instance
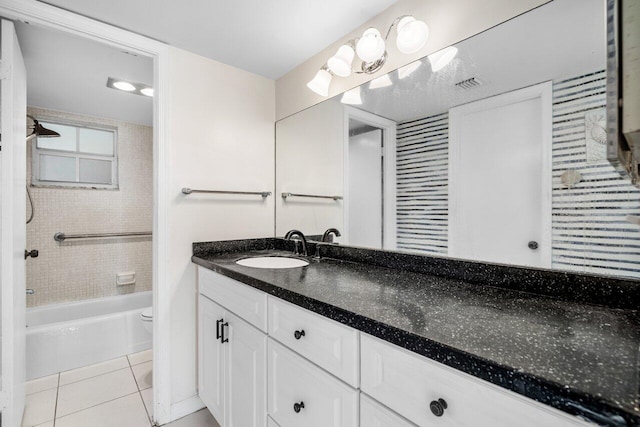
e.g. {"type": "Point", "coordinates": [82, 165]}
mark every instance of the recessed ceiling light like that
{"type": "Point", "coordinates": [130, 87]}
{"type": "Point", "coordinates": [126, 86]}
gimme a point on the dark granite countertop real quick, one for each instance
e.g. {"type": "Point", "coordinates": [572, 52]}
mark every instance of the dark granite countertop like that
{"type": "Point", "coordinates": [579, 357]}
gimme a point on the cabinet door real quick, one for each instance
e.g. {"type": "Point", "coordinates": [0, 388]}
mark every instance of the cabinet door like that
{"type": "Point", "coordinates": [246, 367]}
{"type": "Point", "coordinates": [211, 370]}
{"type": "Point", "coordinates": [301, 394]}
{"type": "Point", "coordinates": [373, 414]}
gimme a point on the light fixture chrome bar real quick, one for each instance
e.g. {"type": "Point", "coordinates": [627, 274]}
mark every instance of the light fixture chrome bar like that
{"type": "Point", "coordinates": [61, 237]}
{"type": "Point", "coordinates": [286, 195]}
{"type": "Point", "coordinates": [249, 193]}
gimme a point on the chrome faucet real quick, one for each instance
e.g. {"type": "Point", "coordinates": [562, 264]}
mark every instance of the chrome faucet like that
{"type": "Point", "coordinates": [325, 236]}
{"type": "Point", "coordinates": [299, 234]}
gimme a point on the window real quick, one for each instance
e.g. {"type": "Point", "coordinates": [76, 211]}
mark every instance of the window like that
{"type": "Point", "coordinates": [83, 156]}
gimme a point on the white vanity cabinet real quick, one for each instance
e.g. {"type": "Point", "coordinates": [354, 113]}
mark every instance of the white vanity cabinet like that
{"type": "Point", "coordinates": [231, 363]}
{"type": "Point", "coordinates": [312, 371]}
{"type": "Point", "coordinates": [431, 394]}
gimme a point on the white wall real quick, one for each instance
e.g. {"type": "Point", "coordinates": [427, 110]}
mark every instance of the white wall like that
{"type": "Point", "coordinates": [221, 127]}
{"type": "Point", "coordinates": [449, 21]}
{"type": "Point", "coordinates": [310, 160]}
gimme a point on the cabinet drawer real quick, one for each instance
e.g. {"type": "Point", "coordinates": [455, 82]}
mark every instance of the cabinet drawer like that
{"type": "Point", "coordinates": [246, 302]}
{"type": "Point", "coordinates": [408, 383]}
{"type": "Point", "coordinates": [373, 414]}
{"type": "Point", "coordinates": [330, 345]}
{"type": "Point", "coordinates": [301, 394]}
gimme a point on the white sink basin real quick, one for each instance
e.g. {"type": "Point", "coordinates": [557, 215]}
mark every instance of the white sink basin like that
{"type": "Point", "coordinates": [272, 262]}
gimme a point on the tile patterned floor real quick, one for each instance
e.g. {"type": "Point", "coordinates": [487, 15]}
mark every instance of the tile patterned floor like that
{"type": "Point", "coordinates": [117, 392]}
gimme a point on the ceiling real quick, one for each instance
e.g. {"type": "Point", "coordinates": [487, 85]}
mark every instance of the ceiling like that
{"type": "Point", "coordinates": [268, 38]}
{"type": "Point", "coordinates": [69, 73]}
{"type": "Point", "coordinates": [563, 38]}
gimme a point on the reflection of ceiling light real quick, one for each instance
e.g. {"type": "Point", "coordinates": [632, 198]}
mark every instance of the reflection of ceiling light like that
{"type": "Point", "coordinates": [320, 83]}
{"type": "Point", "coordinates": [442, 58]}
{"type": "Point", "coordinates": [382, 81]}
{"type": "Point", "coordinates": [340, 63]}
{"type": "Point", "coordinates": [372, 52]}
{"type": "Point", "coordinates": [408, 69]}
{"type": "Point", "coordinates": [352, 96]}
{"type": "Point", "coordinates": [130, 87]}
{"type": "Point", "coordinates": [126, 86]}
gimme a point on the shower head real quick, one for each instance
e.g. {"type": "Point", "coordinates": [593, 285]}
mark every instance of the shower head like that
{"type": "Point", "coordinates": [41, 131]}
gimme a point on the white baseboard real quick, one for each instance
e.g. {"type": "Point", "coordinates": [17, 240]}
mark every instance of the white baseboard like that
{"type": "Point", "coordinates": [185, 407]}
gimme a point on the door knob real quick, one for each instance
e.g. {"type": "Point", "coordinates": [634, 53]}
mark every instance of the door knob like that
{"type": "Point", "coordinates": [33, 253]}
{"type": "Point", "coordinates": [298, 406]}
{"type": "Point", "coordinates": [533, 245]}
{"type": "Point", "coordinates": [298, 334]}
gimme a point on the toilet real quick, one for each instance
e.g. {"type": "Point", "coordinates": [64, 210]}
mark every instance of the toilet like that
{"type": "Point", "coordinates": [147, 318]}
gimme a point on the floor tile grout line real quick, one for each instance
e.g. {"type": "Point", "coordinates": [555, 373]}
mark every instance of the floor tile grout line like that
{"type": "Point", "coordinates": [95, 376]}
{"type": "Point", "coordinates": [98, 404]}
{"type": "Point", "coordinates": [55, 408]}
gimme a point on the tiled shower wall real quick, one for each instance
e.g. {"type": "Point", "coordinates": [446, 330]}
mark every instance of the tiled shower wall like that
{"type": "Point", "coordinates": [82, 269]}
{"type": "Point", "coordinates": [590, 230]}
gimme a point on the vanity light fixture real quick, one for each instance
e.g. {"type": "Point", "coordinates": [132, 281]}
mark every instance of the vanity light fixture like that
{"type": "Point", "coordinates": [371, 49]}
{"type": "Point", "coordinates": [131, 87]}
{"type": "Point", "coordinates": [408, 69]}
{"type": "Point", "coordinates": [442, 58]}
{"type": "Point", "coordinates": [321, 81]}
{"type": "Point", "coordinates": [382, 81]}
{"type": "Point", "coordinates": [352, 97]}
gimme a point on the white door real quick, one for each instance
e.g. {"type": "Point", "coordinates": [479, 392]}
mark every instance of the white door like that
{"type": "Point", "coordinates": [365, 190]}
{"type": "Point", "coordinates": [500, 178]}
{"type": "Point", "coordinates": [211, 358]}
{"type": "Point", "coordinates": [13, 110]}
{"type": "Point", "coordinates": [246, 383]}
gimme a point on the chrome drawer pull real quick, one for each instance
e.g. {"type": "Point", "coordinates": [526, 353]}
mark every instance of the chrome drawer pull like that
{"type": "Point", "coordinates": [298, 406]}
{"type": "Point", "coordinates": [299, 334]}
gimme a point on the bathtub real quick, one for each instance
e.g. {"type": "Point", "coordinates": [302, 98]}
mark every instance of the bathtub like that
{"type": "Point", "coordinates": [71, 335]}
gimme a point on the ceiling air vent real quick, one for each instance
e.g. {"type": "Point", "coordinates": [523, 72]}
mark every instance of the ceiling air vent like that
{"type": "Point", "coordinates": [469, 83]}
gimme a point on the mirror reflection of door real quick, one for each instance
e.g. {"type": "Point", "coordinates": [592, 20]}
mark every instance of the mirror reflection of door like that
{"type": "Point", "coordinates": [499, 178]}
{"type": "Point", "coordinates": [365, 168]}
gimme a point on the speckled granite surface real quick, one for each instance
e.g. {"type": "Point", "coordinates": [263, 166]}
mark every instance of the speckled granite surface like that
{"type": "Point", "coordinates": [578, 357]}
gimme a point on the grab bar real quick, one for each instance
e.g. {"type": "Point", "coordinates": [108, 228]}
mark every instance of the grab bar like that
{"type": "Point", "coordinates": [250, 193]}
{"type": "Point", "coordinates": [61, 237]}
{"type": "Point", "coordinates": [285, 195]}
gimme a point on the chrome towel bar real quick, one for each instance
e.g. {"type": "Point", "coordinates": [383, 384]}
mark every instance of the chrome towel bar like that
{"type": "Point", "coordinates": [285, 195]}
{"type": "Point", "coordinates": [250, 193]}
{"type": "Point", "coordinates": [61, 237]}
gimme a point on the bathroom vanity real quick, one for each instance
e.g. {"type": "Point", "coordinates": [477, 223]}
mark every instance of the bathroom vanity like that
{"type": "Point", "coordinates": [376, 338]}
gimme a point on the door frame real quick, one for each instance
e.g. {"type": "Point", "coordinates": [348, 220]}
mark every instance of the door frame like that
{"type": "Point", "coordinates": [543, 91]}
{"type": "Point", "coordinates": [388, 128]}
{"type": "Point", "coordinates": [35, 12]}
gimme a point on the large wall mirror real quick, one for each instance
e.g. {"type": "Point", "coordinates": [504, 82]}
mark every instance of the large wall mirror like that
{"type": "Point", "coordinates": [491, 150]}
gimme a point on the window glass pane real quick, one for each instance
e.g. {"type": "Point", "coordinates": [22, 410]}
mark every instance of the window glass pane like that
{"type": "Point", "coordinates": [66, 141]}
{"type": "Point", "coordinates": [95, 171]}
{"type": "Point", "coordinates": [96, 141]}
{"type": "Point", "coordinates": [57, 168]}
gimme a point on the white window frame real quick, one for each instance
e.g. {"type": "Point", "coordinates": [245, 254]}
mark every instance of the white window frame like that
{"type": "Point", "coordinates": [77, 155]}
